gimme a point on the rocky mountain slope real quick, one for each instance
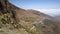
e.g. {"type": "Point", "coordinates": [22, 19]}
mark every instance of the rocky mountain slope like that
{"type": "Point", "coordinates": [57, 17]}
{"type": "Point", "coordinates": [14, 20]}
{"type": "Point", "coordinates": [43, 15]}
{"type": "Point", "coordinates": [40, 13]}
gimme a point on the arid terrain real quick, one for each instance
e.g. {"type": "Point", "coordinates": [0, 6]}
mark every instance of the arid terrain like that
{"type": "Point", "coordinates": [14, 20]}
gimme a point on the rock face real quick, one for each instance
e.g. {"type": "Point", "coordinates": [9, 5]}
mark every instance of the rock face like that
{"type": "Point", "coordinates": [14, 20]}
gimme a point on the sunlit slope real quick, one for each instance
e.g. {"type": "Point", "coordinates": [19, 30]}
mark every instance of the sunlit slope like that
{"type": "Point", "coordinates": [14, 20]}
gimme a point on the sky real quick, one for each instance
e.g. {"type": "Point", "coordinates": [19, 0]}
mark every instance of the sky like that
{"type": "Point", "coordinates": [50, 7]}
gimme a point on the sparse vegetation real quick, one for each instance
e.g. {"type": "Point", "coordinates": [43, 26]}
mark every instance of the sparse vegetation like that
{"type": "Point", "coordinates": [10, 15]}
{"type": "Point", "coordinates": [2, 32]}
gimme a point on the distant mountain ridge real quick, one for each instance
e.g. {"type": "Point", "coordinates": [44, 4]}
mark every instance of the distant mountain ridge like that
{"type": "Point", "coordinates": [40, 14]}
{"type": "Point", "coordinates": [57, 17]}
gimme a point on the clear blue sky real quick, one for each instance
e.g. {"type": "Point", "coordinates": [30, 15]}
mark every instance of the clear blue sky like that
{"type": "Point", "coordinates": [38, 4]}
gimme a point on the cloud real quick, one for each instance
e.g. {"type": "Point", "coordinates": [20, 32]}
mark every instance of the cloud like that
{"type": "Point", "coordinates": [51, 12]}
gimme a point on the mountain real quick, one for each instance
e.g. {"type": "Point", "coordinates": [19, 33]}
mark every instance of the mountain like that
{"type": "Point", "coordinates": [40, 14]}
{"type": "Point", "coordinates": [36, 12]}
{"type": "Point", "coordinates": [15, 20]}
{"type": "Point", "coordinates": [57, 17]}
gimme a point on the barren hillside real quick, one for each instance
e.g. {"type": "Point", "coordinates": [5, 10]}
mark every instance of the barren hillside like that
{"type": "Point", "coordinates": [14, 20]}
